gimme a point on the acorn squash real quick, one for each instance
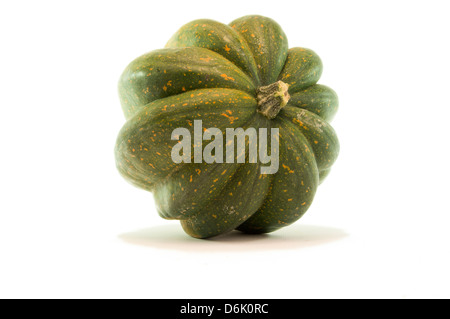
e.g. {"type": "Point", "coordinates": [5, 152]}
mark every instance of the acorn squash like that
{"type": "Point", "coordinates": [241, 75]}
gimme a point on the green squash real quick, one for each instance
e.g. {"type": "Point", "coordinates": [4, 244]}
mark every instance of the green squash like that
{"type": "Point", "coordinates": [241, 75]}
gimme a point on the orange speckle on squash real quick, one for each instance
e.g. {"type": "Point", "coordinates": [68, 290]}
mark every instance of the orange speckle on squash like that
{"type": "Point", "coordinates": [231, 118]}
{"type": "Point", "coordinates": [226, 77]}
{"type": "Point", "coordinates": [288, 168]}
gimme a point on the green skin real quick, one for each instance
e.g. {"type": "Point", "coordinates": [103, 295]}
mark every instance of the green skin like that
{"type": "Point", "coordinates": [211, 71]}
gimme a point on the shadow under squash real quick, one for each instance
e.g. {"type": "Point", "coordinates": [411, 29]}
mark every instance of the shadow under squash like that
{"type": "Point", "coordinates": [172, 237]}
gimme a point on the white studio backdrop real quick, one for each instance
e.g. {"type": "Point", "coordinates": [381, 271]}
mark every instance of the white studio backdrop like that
{"type": "Point", "coordinates": [71, 227]}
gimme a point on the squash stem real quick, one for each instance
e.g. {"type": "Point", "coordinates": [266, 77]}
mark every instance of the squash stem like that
{"type": "Point", "coordinates": [272, 98]}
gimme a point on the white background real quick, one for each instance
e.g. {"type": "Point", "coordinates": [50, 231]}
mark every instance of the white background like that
{"type": "Point", "coordinates": [71, 227]}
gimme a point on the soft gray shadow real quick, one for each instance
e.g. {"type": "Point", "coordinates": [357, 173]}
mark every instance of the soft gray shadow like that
{"type": "Point", "coordinates": [172, 237]}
